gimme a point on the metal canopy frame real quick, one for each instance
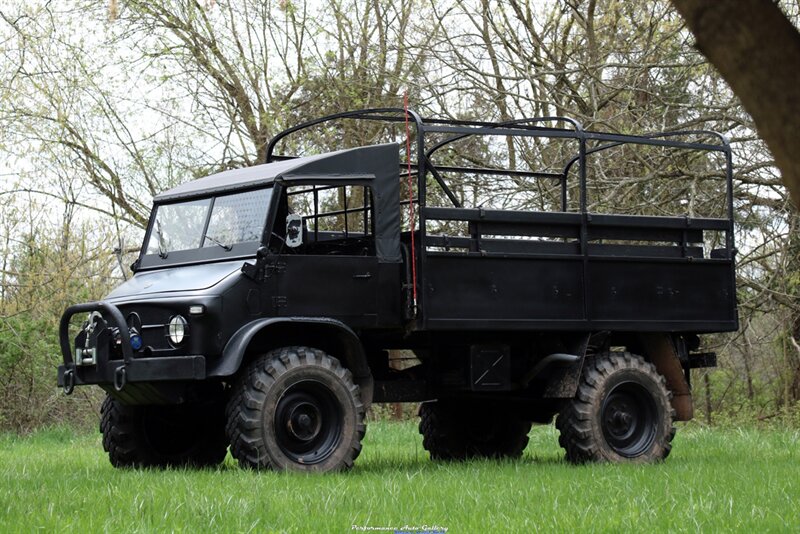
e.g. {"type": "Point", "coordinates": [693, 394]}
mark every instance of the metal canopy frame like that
{"type": "Point", "coordinates": [543, 127]}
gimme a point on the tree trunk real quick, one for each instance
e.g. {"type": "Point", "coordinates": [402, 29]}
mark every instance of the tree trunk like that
{"type": "Point", "coordinates": [757, 51]}
{"type": "Point", "coordinates": [747, 356]}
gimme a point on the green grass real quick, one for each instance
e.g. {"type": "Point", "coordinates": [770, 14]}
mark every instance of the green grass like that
{"type": "Point", "coordinates": [715, 480]}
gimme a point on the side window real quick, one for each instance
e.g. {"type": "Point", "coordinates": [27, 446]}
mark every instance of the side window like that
{"type": "Point", "coordinates": [335, 219]}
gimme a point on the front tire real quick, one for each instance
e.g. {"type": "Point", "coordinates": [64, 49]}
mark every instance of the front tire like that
{"type": "Point", "coordinates": [296, 408]}
{"type": "Point", "coordinates": [621, 412]}
{"type": "Point", "coordinates": [163, 436]}
{"type": "Point", "coordinates": [459, 431]}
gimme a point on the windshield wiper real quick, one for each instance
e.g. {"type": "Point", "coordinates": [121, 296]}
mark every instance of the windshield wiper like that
{"type": "Point", "coordinates": [228, 248]}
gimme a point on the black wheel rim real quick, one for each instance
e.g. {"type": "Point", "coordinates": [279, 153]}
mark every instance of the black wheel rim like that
{"type": "Point", "coordinates": [629, 419]}
{"type": "Point", "coordinates": [308, 422]}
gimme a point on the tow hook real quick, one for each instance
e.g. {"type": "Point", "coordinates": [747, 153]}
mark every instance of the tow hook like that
{"type": "Point", "coordinates": [69, 381]}
{"type": "Point", "coordinates": [120, 378]}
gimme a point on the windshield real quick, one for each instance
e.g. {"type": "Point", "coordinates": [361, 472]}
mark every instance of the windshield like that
{"type": "Point", "coordinates": [220, 223]}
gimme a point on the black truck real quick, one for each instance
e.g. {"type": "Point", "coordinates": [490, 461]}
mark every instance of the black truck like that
{"type": "Point", "coordinates": [271, 305]}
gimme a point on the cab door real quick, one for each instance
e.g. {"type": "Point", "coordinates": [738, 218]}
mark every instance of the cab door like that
{"type": "Point", "coordinates": [339, 287]}
{"type": "Point", "coordinates": [332, 270]}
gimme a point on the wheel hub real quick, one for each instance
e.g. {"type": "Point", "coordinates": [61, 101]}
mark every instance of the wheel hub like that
{"type": "Point", "coordinates": [620, 419]}
{"type": "Point", "coordinates": [304, 421]}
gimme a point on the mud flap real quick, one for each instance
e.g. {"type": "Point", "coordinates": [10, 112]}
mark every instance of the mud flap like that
{"type": "Point", "coordinates": [661, 351]}
{"type": "Point", "coordinates": [564, 378]}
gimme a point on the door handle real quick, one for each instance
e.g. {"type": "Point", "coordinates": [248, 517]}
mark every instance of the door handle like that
{"type": "Point", "coordinates": [364, 276]}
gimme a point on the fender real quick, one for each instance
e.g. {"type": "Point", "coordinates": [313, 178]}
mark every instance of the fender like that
{"type": "Point", "coordinates": [233, 353]}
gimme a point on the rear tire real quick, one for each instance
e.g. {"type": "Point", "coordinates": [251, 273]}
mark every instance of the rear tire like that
{"type": "Point", "coordinates": [296, 408]}
{"type": "Point", "coordinates": [621, 412]}
{"type": "Point", "coordinates": [163, 436]}
{"type": "Point", "coordinates": [454, 430]}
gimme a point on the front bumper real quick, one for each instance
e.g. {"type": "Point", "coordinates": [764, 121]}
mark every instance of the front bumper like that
{"type": "Point", "coordinates": [119, 372]}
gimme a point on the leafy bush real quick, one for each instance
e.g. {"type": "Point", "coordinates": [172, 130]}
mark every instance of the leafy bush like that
{"type": "Point", "coordinates": [43, 275]}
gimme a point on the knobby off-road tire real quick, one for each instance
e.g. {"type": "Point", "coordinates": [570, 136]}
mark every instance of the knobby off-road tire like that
{"type": "Point", "coordinates": [163, 436]}
{"type": "Point", "coordinates": [621, 412]}
{"type": "Point", "coordinates": [453, 430]}
{"type": "Point", "coordinates": [296, 408]}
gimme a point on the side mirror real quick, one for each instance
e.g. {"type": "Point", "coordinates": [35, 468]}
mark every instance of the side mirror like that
{"type": "Point", "coordinates": [294, 230]}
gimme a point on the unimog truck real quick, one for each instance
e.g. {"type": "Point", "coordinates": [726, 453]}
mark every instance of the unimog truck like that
{"type": "Point", "coordinates": [271, 305]}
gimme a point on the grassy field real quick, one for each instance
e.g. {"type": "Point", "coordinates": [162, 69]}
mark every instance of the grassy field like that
{"type": "Point", "coordinates": [715, 480]}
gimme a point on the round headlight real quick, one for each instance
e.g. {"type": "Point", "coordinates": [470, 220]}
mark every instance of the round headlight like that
{"type": "Point", "coordinates": [177, 329]}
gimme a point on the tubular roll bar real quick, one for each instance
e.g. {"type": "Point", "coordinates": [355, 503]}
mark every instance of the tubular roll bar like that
{"type": "Point", "coordinates": [526, 127]}
{"type": "Point", "coordinates": [364, 114]}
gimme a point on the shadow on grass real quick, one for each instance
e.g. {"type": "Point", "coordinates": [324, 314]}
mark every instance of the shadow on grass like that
{"type": "Point", "coordinates": [384, 465]}
{"type": "Point", "coordinates": [376, 464]}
